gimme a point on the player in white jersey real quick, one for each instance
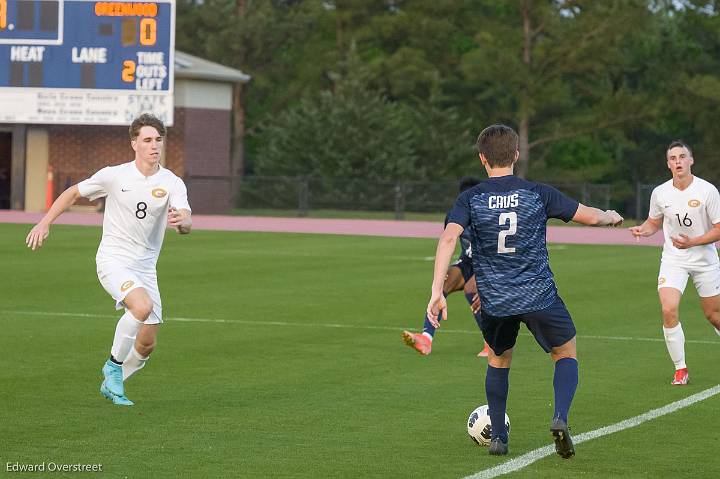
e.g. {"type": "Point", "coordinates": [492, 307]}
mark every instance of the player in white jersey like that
{"type": "Point", "coordinates": [142, 199]}
{"type": "Point", "coordinates": [688, 210]}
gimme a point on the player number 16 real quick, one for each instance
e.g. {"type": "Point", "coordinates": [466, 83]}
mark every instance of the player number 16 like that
{"type": "Point", "coordinates": [686, 221]}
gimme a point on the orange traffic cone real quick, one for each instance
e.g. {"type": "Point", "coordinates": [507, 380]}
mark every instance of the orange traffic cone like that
{"type": "Point", "coordinates": [49, 189]}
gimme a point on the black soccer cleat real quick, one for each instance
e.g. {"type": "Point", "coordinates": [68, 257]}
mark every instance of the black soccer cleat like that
{"type": "Point", "coordinates": [563, 442]}
{"type": "Point", "coordinates": [498, 448]}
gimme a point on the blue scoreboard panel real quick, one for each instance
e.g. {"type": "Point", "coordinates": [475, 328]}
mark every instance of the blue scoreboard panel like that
{"type": "Point", "coordinates": [86, 62]}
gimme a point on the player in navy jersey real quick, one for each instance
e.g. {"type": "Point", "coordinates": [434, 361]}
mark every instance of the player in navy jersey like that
{"type": "Point", "coordinates": [459, 277]}
{"type": "Point", "coordinates": [507, 217]}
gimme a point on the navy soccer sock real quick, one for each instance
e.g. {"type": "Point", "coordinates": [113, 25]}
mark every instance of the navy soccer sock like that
{"type": "Point", "coordinates": [429, 328]}
{"type": "Point", "coordinates": [565, 383]}
{"type": "Point", "coordinates": [496, 390]}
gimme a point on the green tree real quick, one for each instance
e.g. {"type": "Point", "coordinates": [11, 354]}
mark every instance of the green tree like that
{"type": "Point", "coordinates": [273, 41]}
{"type": "Point", "coordinates": [596, 89]}
{"type": "Point", "coordinates": [352, 132]}
{"type": "Point", "coordinates": [550, 67]}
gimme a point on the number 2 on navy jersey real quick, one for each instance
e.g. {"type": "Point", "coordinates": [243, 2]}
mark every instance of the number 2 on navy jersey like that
{"type": "Point", "coordinates": [504, 218]}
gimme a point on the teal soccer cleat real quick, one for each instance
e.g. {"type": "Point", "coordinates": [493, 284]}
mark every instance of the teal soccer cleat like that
{"type": "Point", "coordinates": [113, 378]}
{"type": "Point", "coordinates": [118, 400]}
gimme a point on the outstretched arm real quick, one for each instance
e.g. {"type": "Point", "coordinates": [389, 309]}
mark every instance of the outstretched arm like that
{"type": "Point", "coordinates": [41, 230]}
{"type": "Point", "coordinates": [648, 228]}
{"type": "Point", "coordinates": [445, 249]}
{"type": "Point", "coordinates": [587, 215]}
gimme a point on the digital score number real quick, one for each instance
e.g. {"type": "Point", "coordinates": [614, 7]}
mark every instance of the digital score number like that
{"type": "Point", "coordinates": [88, 45]}
{"type": "Point", "coordinates": [3, 14]}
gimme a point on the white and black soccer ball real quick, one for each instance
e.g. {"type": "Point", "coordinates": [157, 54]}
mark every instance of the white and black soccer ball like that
{"type": "Point", "coordinates": [479, 428]}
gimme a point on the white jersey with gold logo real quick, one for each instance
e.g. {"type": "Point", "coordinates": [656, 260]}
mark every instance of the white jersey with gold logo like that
{"type": "Point", "coordinates": [136, 208]}
{"type": "Point", "coordinates": [693, 212]}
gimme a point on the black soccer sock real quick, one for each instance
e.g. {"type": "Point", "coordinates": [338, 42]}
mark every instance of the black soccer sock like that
{"type": "Point", "coordinates": [565, 383]}
{"type": "Point", "coordinates": [496, 389]}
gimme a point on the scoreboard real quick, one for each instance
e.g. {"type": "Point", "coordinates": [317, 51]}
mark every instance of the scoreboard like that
{"type": "Point", "coordinates": [86, 62]}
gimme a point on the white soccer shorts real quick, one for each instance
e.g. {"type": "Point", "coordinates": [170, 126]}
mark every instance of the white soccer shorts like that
{"type": "Point", "coordinates": [118, 280]}
{"type": "Point", "coordinates": [707, 282]}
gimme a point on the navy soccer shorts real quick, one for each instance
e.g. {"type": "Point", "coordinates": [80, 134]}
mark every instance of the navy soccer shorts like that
{"type": "Point", "coordinates": [551, 327]}
{"type": "Point", "coordinates": [466, 267]}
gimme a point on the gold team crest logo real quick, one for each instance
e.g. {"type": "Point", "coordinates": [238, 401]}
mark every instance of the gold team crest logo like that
{"type": "Point", "coordinates": [694, 203]}
{"type": "Point", "coordinates": [126, 285]}
{"type": "Point", "coordinates": [159, 193]}
{"type": "Point", "coordinates": [661, 280]}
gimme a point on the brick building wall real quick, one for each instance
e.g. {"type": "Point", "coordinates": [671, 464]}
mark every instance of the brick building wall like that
{"type": "Point", "coordinates": [198, 144]}
{"type": "Point", "coordinates": [207, 159]}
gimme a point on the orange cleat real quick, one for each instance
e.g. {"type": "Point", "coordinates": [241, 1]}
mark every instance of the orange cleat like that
{"type": "Point", "coordinates": [418, 341]}
{"type": "Point", "coordinates": [484, 353]}
{"type": "Point", "coordinates": [681, 377]}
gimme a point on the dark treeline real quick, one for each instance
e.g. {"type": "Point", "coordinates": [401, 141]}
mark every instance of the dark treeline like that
{"type": "Point", "coordinates": [389, 89]}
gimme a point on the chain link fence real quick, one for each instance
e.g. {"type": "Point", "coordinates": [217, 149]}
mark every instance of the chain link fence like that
{"type": "Point", "coordinates": [302, 195]}
{"type": "Point", "coordinates": [643, 191]}
{"type": "Point", "coordinates": [305, 194]}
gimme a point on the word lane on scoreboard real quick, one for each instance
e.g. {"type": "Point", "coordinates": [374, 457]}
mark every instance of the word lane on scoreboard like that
{"type": "Point", "coordinates": [85, 62]}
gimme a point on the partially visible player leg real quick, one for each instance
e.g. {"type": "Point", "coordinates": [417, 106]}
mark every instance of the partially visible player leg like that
{"type": "Point", "coordinates": [501, 334]}
{"type": "Point", "coordinates": [711, 308]}
{"type": "Point", "coordinates": [147, 337]}
{"type": "Point", "coordinates": [497, 384]}
{"type": "Point", "coordinates": [673, 332]}
{"type": "Point", "coordinates": [139, 354]}
{"type": "Point", "coordinates": [565, 381]}
{"type": "Point", "coordinates": [554, 331]}
{"type": "Point", "coordinates": [470, 290]}
{"type": "Point", "coordinates": [422, 342]}
{"type": "Point", "coordinates": [671, 285]}
{"type": "Point", "coordinates": [707, 284]}
{"type": "Point", "coordinates": [125, 333]}
{"type": "Point", "coordinates": [138, 308]}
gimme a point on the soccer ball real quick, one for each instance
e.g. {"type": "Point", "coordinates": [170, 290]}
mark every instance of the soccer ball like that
{"type": "Point", "coordinates": [479, 428]}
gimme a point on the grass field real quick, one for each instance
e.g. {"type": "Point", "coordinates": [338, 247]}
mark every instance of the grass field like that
{"type": "Point", "coordinates": [281, 357]}
{"type": "Point", "coordinates": [344, 214]}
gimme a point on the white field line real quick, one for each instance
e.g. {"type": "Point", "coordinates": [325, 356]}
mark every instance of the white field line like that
{"type": "Point", "coordinates": [532, 456]}
{"type": "Point", "coordinates": [321, 325]}
{"type": "Point", "coordinates": [510, 466]}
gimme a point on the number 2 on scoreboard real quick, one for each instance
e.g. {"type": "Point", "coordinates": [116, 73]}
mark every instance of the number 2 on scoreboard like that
{"type": "Point", "coordinates": [3, 14]}
{"type": "Point", "coordinates": [128, 71]}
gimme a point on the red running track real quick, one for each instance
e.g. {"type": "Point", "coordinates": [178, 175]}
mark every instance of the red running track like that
{"type": "Point", "coordinates": [405, 229]}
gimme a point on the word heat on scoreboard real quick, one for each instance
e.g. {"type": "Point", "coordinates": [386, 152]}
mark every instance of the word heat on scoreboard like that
{"type": "Point", "coordinates": [86, 62]}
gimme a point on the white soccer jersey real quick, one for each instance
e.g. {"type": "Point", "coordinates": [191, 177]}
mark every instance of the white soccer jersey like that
{"type": "Point", "coordinates": [693, 212]}
{"type": "Point", "coordinates": [136, 210]}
